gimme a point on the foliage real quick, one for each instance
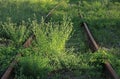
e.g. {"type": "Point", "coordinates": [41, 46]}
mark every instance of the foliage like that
{"type": "Point", "coordinates": [41, 66]}
{"type": "Point", "coordinates": [34, 67]}
{"type": "Point", "coordinates": [48, 53]}
{"type": "Point", "coordinates": [86, 63]}
{"type": "Point", "coordinates": [103, 20]}
{"type": "Point", "coordinates": [6, 55]}
{"type": "Point", "coordinates": [19, 10]}
{"type": "Point", "coordinates": [100, 56]}
{"type": "Point", "coordinates": [52, 36]}
{"type": "Point", "coordinates": [115, 59]}
{"type": "Point", "coordinates": [15, 33]}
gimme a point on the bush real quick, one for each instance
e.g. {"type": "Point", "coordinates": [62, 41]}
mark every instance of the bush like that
{"type": "Point", "coordinates": [35, 67]}
{"type": "Point", "coordinates": [6, 56]}
{"type": "Point", "coordinates": [17, 34]}
{"type": "Point", "coordinates": [52, 36]}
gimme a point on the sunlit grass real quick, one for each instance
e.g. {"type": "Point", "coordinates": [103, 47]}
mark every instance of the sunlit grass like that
{"type": "Point", "coordinates": [48, 49]}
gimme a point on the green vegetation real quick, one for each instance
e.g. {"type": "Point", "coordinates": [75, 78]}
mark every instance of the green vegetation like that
{"type": "Point", "coordinates": [102, 17]}
{"type": "Point", "coordinates": [17, 34]}
{"type": "Point", "coordinates": [6, 55]}
{"type": "Point", "coordinates": [59, 49]}
{"type": "Point", "coordinates": [52, 36]}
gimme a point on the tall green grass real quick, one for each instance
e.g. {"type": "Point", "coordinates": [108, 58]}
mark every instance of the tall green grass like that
{"type": "Point", "coordinates": [103, 20]}
{"type": "Point", "coordinates": [52, 36]}
{"type": "Point", "coordinates": [48, 52]}
{"type": "Point", "coordinates": [6, 55]}
{"type": "Point", "coordinates": [17, 34]}
{"type": "Point", "coordinates": [19, 10]}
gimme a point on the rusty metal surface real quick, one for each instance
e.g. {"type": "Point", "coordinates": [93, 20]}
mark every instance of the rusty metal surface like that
{"type": "Point", "coordinates": [28, 42]}
{"type": "Point", "coordinates": [9, 71]}
{"type": "Point", "coordinates": [92, 43]}
{"type": "Point", "coordinates": [110, 72]}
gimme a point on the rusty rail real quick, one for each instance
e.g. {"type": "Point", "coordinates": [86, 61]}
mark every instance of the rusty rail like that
{"type": "Point", "coordinates": [109, 71]}
{"type": "Point", "coordinates": [9, 70]}
{"type": "Point", "coordinates": [93, 44]}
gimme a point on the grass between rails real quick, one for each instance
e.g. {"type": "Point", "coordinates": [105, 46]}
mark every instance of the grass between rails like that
{"type": "Point", "coordinates": [48, 52]}
{"type": "Point", "coordinates": [50, 66]}
{"type": "Point", "coordinates": [49, 45]}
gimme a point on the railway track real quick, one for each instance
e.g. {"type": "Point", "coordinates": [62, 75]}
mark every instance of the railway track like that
{"type": "Point", "coordinates": [109, 71]}
{"type": "Point", "coordinates": [10, 68]}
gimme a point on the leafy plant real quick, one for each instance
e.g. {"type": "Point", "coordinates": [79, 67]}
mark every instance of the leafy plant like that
{"type": "Point", "coordinates": [6, 56]}
{"type": "Point", "coordinates": [17, 34]}
{"type": "Point", "coordinates": [48, 54]}
{"type": "Point", "coordinates": [52, 36]}
{"type": "Point", "coordinates": [37, 67]}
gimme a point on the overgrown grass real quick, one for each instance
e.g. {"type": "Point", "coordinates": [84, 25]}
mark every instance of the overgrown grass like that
{"type": "Point", "coordinates": [42, 66]}
{"type": "Point", "coordinates": [103, 20]}
{"type": "Point", "coordinates": [19, 10]}
{"type": "Point", "coordinates": [48, 53]}
{"type": "Point", "coordinates": [6, 55]}
{"type": "Point", "coordinates": [52, 36]}
{"type": "Point", "coordinates": [17, 34]}
{"type": "Point", "coordinates": [50, 46]}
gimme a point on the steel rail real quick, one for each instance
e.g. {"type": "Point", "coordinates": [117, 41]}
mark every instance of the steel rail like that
{"type": "Point", "coordinates": [9, 70]}
{"type": "Point", "coordinates": [93, 44]}
{"type": "Point", "coordinates": [111, 74]}
{"type": "Point", "coordinates": [109, 71]}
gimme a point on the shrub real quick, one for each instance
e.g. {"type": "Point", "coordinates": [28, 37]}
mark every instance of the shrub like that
{"type": "Point", "coordinates": [17, 34]}
{"type": "Point", "coordinates": [35, 67]}
{"type": "Point", "coordinates": [52, 36]}
{"type": "Point", "coordinates": [6, 56]}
